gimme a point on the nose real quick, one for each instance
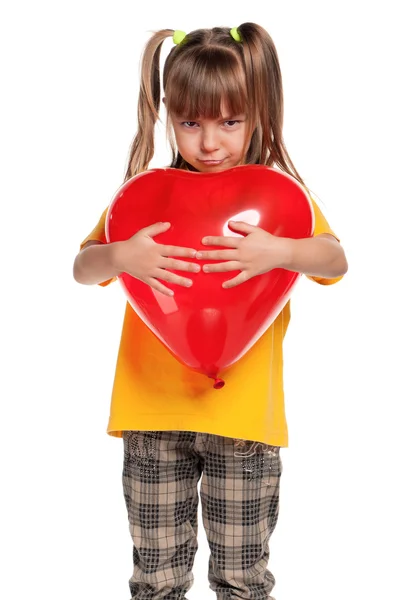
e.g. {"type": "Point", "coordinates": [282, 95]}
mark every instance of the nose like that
{"type": "Point", "coordinates": [209, 141]}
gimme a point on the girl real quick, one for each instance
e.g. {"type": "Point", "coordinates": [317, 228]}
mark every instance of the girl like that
{"type": "Point", "coordinates": [224, 101]}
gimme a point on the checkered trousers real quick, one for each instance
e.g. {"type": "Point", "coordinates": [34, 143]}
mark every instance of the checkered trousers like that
{"type": "Point", "coordinates": [240, 503]}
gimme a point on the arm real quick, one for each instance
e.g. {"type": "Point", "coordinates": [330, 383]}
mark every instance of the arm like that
{"type": "Point", "coordinates": [82, 271]}
{"type": "Point", "coordinates": [319, 257]}
{"type": "Point", "coordinates": [139, 256]}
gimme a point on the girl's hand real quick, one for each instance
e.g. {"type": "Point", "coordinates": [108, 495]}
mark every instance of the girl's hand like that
{"type": "Point", "coordinates": [253, 255]}
{"type": "Point", "coordinates": [141, 257]}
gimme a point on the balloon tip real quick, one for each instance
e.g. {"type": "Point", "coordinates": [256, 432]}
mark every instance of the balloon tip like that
{"type": "Point", "coordinates": [218, 383]}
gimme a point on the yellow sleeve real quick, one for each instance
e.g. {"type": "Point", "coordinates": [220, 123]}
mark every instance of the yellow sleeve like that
{"type": "Point", "coordinates": [322, 226]}
{"type": "Point", "coordinates": [98, 234]}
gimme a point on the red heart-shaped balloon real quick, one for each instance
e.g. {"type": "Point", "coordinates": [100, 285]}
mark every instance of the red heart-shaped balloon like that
{"type": "Point", "coordinates": [207, 327]}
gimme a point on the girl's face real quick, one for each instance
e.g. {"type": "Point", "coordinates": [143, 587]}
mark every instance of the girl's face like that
{"type": "Point", "coordinates": [211, 145]}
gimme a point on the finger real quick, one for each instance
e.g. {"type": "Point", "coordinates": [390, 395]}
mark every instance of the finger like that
{"type": "Point", "coordinates": [232, 265]}
{"type": "Point", "coordinates": [241, 278]}
{"type": "Point", "coordinates": [217, 254]}
{"type": "Point", "coordinates": [179, 265]}
{"type": "Point", "coordinates": [221, 240]}
{"type": "Point", "coordinates": [177, 251]}
{"type": "Point", "coordinates": [156, 285]}
{"type": "Point", "coordinates": [165, 275]}
{"type": "Point", "coordinates": [155, 229]}
{"type": "Point", "coordinates": [241, 226]}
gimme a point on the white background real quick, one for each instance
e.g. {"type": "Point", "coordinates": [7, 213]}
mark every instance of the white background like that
{"type": "Point", "coordinates": [70, 84]}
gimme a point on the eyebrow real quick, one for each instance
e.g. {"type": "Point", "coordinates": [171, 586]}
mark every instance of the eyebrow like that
{"type": "Point", "coordinates": [223, 118]}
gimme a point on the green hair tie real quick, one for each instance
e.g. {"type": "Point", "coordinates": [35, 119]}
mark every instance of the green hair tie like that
{"type": "Point", "coordinates": [235, 34]}
{"type": "Point", "coordinates": [178, 36]}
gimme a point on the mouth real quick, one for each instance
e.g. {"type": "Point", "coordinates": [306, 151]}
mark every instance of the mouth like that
{"type": "Point", "coordinates": [212, 163]}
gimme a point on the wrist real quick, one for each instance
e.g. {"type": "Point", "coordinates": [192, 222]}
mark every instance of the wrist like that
{"type": "Point", "coordinates": [115, 257]}
{"type": "Point", "coordinates": [287, 252]}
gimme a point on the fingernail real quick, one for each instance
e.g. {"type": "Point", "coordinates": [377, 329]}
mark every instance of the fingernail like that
{"type": "Point", "coordinates": [188, 283]}
{"type": "Point", "coordinates": [196, 268]}
{"type": "Point", "coordinates": [198, 255]}
{"type": "Point", "coordinates": [206, 269]}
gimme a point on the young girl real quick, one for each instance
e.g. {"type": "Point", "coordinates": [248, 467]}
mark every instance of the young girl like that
{"type": "Point", "coordinates": [224, 101]}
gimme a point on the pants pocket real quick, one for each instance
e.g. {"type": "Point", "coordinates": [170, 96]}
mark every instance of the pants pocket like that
{"type": "Point", "coordinates": [258, 460]}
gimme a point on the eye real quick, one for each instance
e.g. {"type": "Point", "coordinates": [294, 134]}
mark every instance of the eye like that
{"type": "Point", "coordinates": [231, 123]}
{"type": "Point", "coordinates": [189, 124]}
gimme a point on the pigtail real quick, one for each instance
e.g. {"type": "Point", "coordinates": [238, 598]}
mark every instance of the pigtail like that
{"type": "Point", "coordinates": [266, 103]}
{"type": "Point", "coordinates": [143, 146]}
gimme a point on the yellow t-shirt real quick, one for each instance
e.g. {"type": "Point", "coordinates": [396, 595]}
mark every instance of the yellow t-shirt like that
{"type": "Point", "coordinates": [153, 391]}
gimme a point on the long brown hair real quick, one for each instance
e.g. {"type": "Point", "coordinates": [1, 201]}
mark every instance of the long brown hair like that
{"type": "Point", "coordinates": [206, 68]}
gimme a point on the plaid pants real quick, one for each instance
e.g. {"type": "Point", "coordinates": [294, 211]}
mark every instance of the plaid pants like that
{"type": "Point", "coordinates": [240, 505]}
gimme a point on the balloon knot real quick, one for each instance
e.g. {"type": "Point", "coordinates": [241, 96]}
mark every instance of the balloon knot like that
{"type": "Point", "coordinates": [218, 383]}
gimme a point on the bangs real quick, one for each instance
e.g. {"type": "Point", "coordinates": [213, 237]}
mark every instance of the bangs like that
{"type": "Point", "coordinates": [205, 83]}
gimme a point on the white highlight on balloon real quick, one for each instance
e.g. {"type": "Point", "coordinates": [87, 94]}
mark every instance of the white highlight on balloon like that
{"type": "Point", "coordinates": [252, 217]}
{"type": "Point", "coordinates": [167, 304]}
